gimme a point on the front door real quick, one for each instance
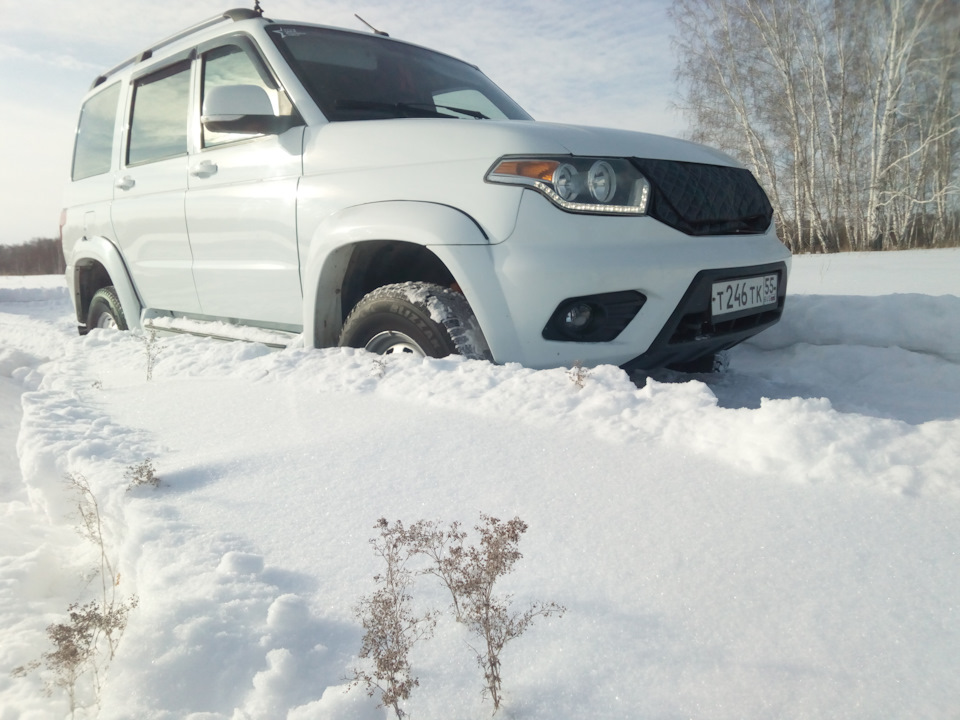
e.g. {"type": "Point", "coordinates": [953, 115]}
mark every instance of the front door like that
{"type": "Point", "coordinates": [241, 204]}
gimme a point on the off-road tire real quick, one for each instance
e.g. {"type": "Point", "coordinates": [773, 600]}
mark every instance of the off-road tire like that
{"type": "Point", "coordinates": [417, 318]}
{"type": "Point", "coordinates": [105, 310]}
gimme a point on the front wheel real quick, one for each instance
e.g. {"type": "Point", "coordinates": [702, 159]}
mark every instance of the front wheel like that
{"type": "Point", "coordinates": [105, 310]}
{"type": "Point", "coordinates": [419, 319]}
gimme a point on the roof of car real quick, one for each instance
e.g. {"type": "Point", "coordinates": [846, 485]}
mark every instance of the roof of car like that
{"type": "Point", "coordinates": [235, 15]}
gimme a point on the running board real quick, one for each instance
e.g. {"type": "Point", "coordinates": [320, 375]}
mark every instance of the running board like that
{"type": "Point", "coordinates": [219, 330]}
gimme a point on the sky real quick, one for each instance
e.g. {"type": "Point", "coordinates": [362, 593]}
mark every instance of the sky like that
{"type": "Point", "coordinates": [562, 60]}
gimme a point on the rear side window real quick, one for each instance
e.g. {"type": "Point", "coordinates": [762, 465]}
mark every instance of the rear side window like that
{"type": "Point", "coordinates": [93, 151]}
{"type": "Point", "coordinates": [158, 124]}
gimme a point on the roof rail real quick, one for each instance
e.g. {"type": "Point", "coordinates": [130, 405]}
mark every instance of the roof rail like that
{"type": "Point", "coordinates": [235, 15]}
{"type": "Point", "coordinates": [238, 14]}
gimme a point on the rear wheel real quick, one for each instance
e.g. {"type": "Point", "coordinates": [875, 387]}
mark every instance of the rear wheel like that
{"type": "Point", "coordinates": [105, 310]}
{"type": "Point", "coordinates": [418, 319]}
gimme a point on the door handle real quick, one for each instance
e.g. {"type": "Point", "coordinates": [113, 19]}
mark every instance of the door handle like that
{"type": "Point", "coordinates": [125, 183]}
{"type": "Point", "coordinates": [203, 169]}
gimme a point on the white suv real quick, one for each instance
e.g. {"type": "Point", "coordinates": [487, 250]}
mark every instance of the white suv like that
{"type": "Point", "coordinates": [253, 178]}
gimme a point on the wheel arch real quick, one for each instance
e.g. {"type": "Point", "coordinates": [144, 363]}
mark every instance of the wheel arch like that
{"type": "Point", "coordinates": [96, 263]}
{"type": "Point", "coordinates": [364, 247]}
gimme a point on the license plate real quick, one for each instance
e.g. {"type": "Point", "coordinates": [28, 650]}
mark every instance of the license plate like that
{"type": "Point", "coordinates": [733, 296]}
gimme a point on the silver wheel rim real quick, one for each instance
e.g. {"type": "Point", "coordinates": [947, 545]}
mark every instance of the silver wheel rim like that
{"type": "Point", "coordinates": [394, 343]}
{"type": "Point", "coordinates": [107, 322]}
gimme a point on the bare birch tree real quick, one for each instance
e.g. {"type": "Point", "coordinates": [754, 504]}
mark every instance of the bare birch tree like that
{"type": "Point", "coordinates": [846, 110]}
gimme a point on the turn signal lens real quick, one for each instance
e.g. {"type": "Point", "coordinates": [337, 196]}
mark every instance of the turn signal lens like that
{"type": "Point", "coordinates": [532, 169]}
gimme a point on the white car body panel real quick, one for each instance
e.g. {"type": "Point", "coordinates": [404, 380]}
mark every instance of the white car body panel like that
{"type": "Point", "coordinates": [151, 230]}
{"type": "Point", "coordinates": [99, 249]}
{"type": "Point", "coordinates": [327, 248]}
{"type": "Point", "coordinates": [248, 268]}
{"type": "Point", "coordinates": [536, 271]}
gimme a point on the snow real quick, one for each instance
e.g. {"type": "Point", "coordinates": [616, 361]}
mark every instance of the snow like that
{"type": "Point", "coordinates": [221, 330]}
{"type": "Point", "coordinates": [777, 541]}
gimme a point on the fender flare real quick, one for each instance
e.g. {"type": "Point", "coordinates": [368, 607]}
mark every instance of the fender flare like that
{"type": "Point", "coordinates": [332, 241]}
{"type": "Point", "coordinates": [101, 250]}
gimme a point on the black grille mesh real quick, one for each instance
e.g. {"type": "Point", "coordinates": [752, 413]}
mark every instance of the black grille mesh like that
{"type": "Point", "coordinates": [706, 199]}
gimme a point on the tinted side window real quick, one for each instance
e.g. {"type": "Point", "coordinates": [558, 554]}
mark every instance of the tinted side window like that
{"type": "Point", "coordinates": [158, 126]}
{"type": "Point", "coordinates": [93, 151]}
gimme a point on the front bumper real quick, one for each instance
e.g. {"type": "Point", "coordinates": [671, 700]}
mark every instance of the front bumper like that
{"type": "Point", "coordinates": [515, 286]}
{"type": "Point", "coordinates": [691, 333]}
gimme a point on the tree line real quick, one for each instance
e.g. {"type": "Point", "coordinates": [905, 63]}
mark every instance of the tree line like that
{"type": "Point", "coordinates": [39, 256]}
{"type": "Point", "coordinates": [848, 112]}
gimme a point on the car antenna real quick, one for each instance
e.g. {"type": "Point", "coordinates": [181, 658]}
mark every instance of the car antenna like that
{"type": "Point", "coordinates": [375, 31]}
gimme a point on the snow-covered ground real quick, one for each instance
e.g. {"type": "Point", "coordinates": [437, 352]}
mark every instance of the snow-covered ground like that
{"type": "Point", "coordinates": [782, 540]}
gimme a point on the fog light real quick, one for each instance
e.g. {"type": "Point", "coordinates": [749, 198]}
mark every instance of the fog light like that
{"type": "Point", "coordinates": [577, 316]}
{"type": "Point", "coordinates": [593, 318]}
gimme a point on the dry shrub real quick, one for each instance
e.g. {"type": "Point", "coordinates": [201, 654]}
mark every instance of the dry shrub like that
{"type": "Point", "coordinates": [469, 572]}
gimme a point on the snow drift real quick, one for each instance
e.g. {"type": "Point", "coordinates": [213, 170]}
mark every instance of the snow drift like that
{"type": "Point", "coordinates": [776, 541]}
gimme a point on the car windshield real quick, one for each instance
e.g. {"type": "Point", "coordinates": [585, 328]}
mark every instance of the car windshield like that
{"type": "Point", "coordinates": [359, 77]}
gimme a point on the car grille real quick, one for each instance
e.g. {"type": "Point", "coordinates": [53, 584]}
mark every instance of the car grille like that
{"type": "Point", "coordinates": [706, 199]}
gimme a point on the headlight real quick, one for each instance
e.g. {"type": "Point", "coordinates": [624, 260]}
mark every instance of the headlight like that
{"type": "Point", "coordinates": [567, 182]}
{"type": "Point", "coordinates": [602, 181]}
{"type": "Point", "coordinates": [611, 186]}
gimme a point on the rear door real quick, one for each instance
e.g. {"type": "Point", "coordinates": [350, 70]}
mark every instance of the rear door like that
{"type": "Point", "coordinates": [241, 201]}
{"type": "Point", "coordinates": [151, 184]}
{"type": "Point", "coordinates": [87, 212]}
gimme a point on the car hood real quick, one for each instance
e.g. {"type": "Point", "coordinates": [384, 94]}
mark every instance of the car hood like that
{"type": "Point", "coordinates": [587, 140]}
{"type": "Point", "coordinates": [418, 140]}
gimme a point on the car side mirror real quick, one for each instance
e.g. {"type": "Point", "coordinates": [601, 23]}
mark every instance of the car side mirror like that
{"type": "Point", "coordinates": [242, 109]}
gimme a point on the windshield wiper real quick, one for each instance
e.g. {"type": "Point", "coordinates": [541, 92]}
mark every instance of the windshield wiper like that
{"type": "Point", "coordinates": [463, 111]}
{"type": "Point", "coordinates": [403, 109]}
